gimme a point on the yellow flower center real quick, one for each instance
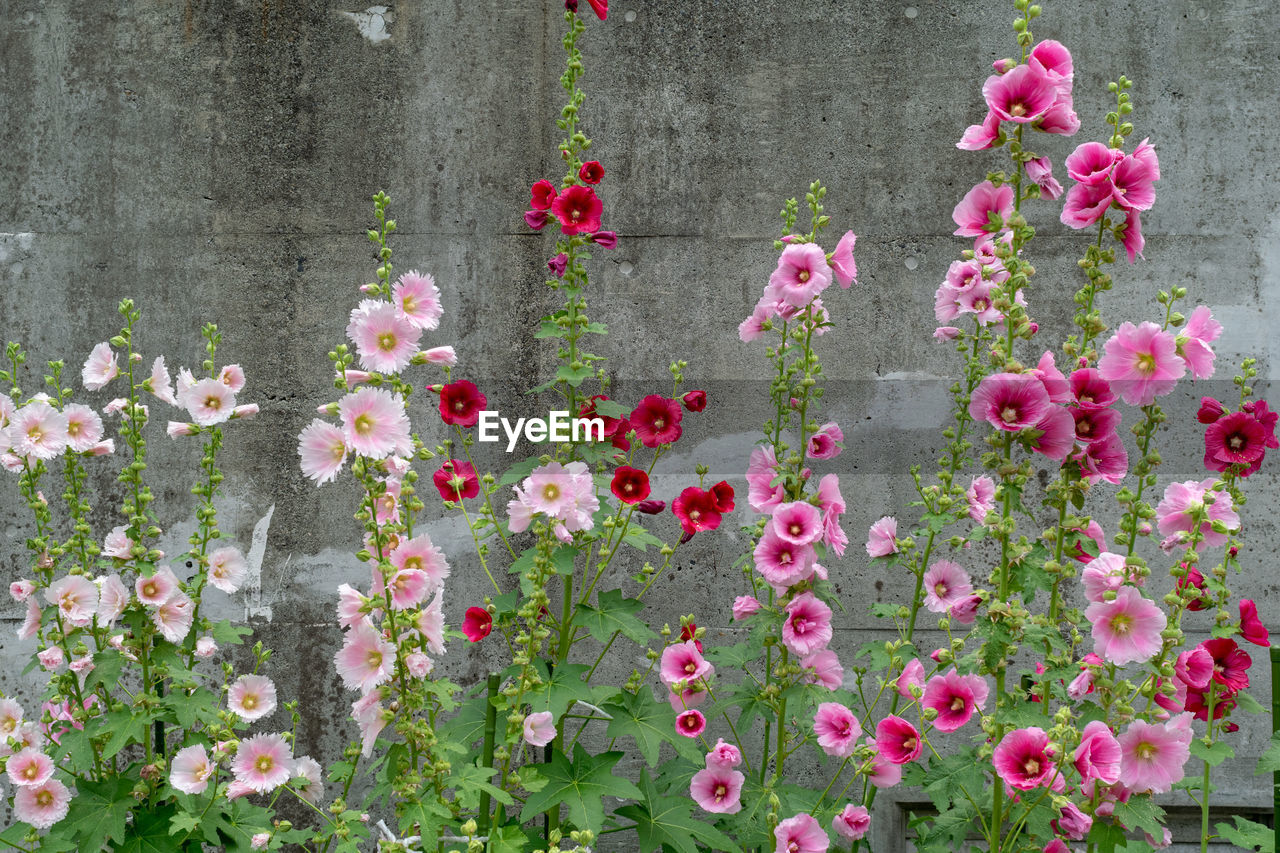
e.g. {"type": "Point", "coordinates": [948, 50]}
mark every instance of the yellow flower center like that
{"type": "Point", "coordinates": [550, 492]}
{"type": "Point", "coordinates": [249, 702]}
{"type": "Point", "coordinates": [363, 424]}
{"type": "Point", "coordinates": [1122, 623]}
{"type": "Point", "coordinates": [1146, 364]}
{"type": "Point", "coordinates": [1146, 751]}
{"type": "Point", "coordinates": [804, 275]}
{"type": "Point", "coordinates": [264, 763]}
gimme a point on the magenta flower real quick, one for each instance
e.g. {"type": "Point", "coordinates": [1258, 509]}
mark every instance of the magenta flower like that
{"type": "Point", "coordinates": [1072, 822]}
{"type": "Point", "coordinates": [690, 723]}
{"type": "Point", "coordinates": [1022, 95]}
{"type": "Point", "coordinates": [578, 209]}
{"type": "Point", "coordinates": [945, 583]}
{"type": "Point", "coordinates": [781, 563]}
{"type": "Point", "coordinates": [1193, 342]}
{"type": "Point", "coordinates": [852, 822]}
{"type": "Point", "coordinates": [1142, 363]}
{"type": "Point", "coordinates": [1053, 58]}
{"type": "Point", "coordinates": [1040, 171]}
{"type": "Point", "coordinates": [1152, 755]}
{"type": "Point", "coordinates": [1230, 663]}
{"type": "Point", "coordinates": [1176, 513]}
{"type": "Point", "coordinates": [1010, 401]}
{"type": "Point", "coordinates": [800, 834]}
{"type": "Point", "coordinates": [1251, 627]}
{"type": "Point", "coordinates": [798, 523]}
{"type": "Point", "coordinates": [683, 662]}
{"type": "Point", "coordinates": [1055, 434]}
{"type": "Point", "coordinates": [837, 729]}
{"type": "Point", "coordinates": [461, 403]}
{"type": "Point", "coordinates": [1090, 390]}
{"type": "Point", "coordinates": [1094, 424]}
{"type": "Point", "coordinates": [842, 262]}
{"type": "Point", "coordinates": [718, 789]}
{"type": "Point", "coordinates": [1098, 755]}
{"type": "Point", "coordinates": [883, 773]}
{"type": "Point", "coordinates": [808, 625]}
{"type": "Point", "coordinates": [1195, 666]}
{"type": "Point", "coordinates": [955, 697]}
{"type": "Point", "coordinates": [881, 538]}
{"type": "Point", "coordinates": [1133, 183]}
{"type": "Point", "coordinates": [1024, 759]}
{"type": "Point", "coordinates": [980, 206]}
{"type": "Point", "coordinates": [823, 443]}
{"type": "Point", "coordinates": [1104, 460]}
{"type": "Point", "coordinates": [898, 741]}
{"type": "Point", "coordinates": [802, 274]}
{"type": "Point", "coordinates": [823, 668]}
{"type": "Point", "coordinates": [1091, 163]}
{"type": "Point", "coordinates": [477, 624]}
{"type": "Point", "coordinates": [1086, 204]}
{"type": "Point", "coordinates": [1126, 629]}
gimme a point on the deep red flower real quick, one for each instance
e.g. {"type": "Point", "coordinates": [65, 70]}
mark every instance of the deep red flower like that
{"type": "Point", "coordinates": [722, 496]}
{"type": "Point", "coordinates": [591, 172]}
{"type": "Point", "coordinates": [1230, 663]}
{"type": "Point", "coordinates": [1193, 579]}
{"type": "Point", "coordinates": [600, 7]}
{"type": "Point", "coordinates": [1198, 704]}
{"type": "Point", "coordinates": [656, 420]}
{"type": "Point", "coordinates": [578, 210]}
{"type": "Point", "coordinates": [461, 403]}
{"type": "Point", "coordinates": [456, 480]}
{"type": "Point", "coordinates": [1236, 439]}
{"type": "Point", "coordinates": [619, 439]}
{"type": "Point", "coordinates": [477, 624]}
{"type": "Point", "coordinates": [588, 410]}
{"type": "Point", "coordinates": [1251, 626]}
{"type": "Point", "coordinates": [1262, 414]}
{"type": "Point", "coordinates": [651, 507]}
{"type": "Point", "coordinates": [1210, 410]}
{"type": "Point", "coordinates": [689, 632]}
{"type": "Point", "coordinates": [695, 401]}
{"type": "Point", "coordinates": [696, 510]}
{"type": "Point", "coordinates": [535, 219]}
{"type": "Point", "coordinates": [541, 195]}
{"type": "Point", "coordinates": [630, 485]}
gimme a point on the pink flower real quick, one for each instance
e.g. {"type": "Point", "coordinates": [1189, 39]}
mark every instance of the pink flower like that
{"type": "Point", "coordinates": [1094, 424]}
{"type": "Point", "coordinates": [724, 755]}
{"type": "Point", "coordinates": [801, 275]}
{"type": "Point", "coordinates": [797, 523]}
{"type": "Point", "coordinates": [477, 624]}
{"type": "Point", "coordinates": [883, 773]}
{"type": "Point", "coordinates": [1195, 666]}
{"type": "Point", "coordinates": [1230, 663]}
{"type": "Point", "coordinates": [430, 623]}
{"type": "Point", "coordinates": [832, 506]}
{"type": "Point", "coordinates": [312, 788]}
{"type": "Point", "coordinates": [76, 598]}
{"type": "Point", "coordinates": [1098, 755]}
{"type": "Point", "coordinates": [365, 659]}
{"type": "Point", "coordinates": [955, 697]}
{"type": "Point", "coordinates": [38, 430]}
{"type": "Point", "coordinates": [1105, 573]}
{"type": "Point", "coordinates": [1072, 822]}
{"type": "Point", "coordinates": [20, 590]}
{"type": "Point", "coordinates": [762, 468]}
{"type": "Point", "coordinates": [1023, 758]}
{"type": "Point", "coordinates": [1176, 513]}
{"type": "Point", "coordinates": [323, 449]}
{"type": "Point", "coordinates": [418, 664]}
{"type": "Point", "coordinates": [157, 589]}
{"type": "Point", "coordinates": [100, 368]}
{"type": "Point", "coordinates": [385, 338]}
{"type": "Point", "coordinates": [1085, 204]}
{"type": "Point", "coordinates": [1022, 95]}
{"type": "Point", "coordinates": [682, 662]}
{"type": "Point", "coordinates": [808, 625]}
{"type": "Point", "coordinates": [690, 723]}
{"type": "Point", "coordinates": [852, 822]}
{"type": "Point", "coordinates": [781, 563]}
{"type": "Point", "coordinates": [374, 423]}
{"type": "Point", "coordinates": [978, 137]}
{"type": "Point", "coordinates": [912, 676]}
{"type": "Point", "coordinates": [898, 740]}
{"type": "Point", "coordinates": [881, 538]}
{"type": "Point", "coordinates": [1152, 755]}
{"type": "Point", "coordinates": [980, 206]}
{"type": "Point", "coordinates": [227, 569]}
{"type": "Point", "coordinates": [744, 606]}
{"type": "Point", "coordinates": [173, 618]}
{"type": "Point", "coordinates": [1056, 434]}
{"type": "Point", "coordinates": [252, 697]}
{"type": "Point", "coordinates": [800, 834]}
{"type": "Point", "coordinates": [263, 762]}
{"type": "Point", "coordinates": [41, 806]}
{"type": "Point", "coordinates": [1133, 182]}
{"type": "Point", "coordinates": [259, 840]}
{"type": "Point", "coordinates": [51, 658]}
{"type": "Point", "coordinates": [945, 583]}
{"type": "Point", "coordinates": [440, 355]}
{"type": "Point", "coordinates": [1104, 460]}
{"type": "Point", "coordinates": [823, 668]}
{"type": "Point", "coordinates": [1010, 401]}
{"type": "Point", "coordinates": [205, 648]}
{"type": "Point", "coordinates": [420, 554]}
{"type": "Point", "coordinates": [1142, 363]}
{"type": "Point", "coordinates": [981, 496]}
{"type": "Point", "coordinates": [1251, 626]}
{"type": "Point", "coordinates": [539, 728]}
{"type": "Point", "coordinates": [842, 260]}
{"type": "Point", "coordinates": [837, 729]}
{"type": "Point", "coordinates": [417, 300]}
{"type": "Point", "coordinates": [823, 443]}
{"type": "Point", "coordinates": [209, 402]}
{"type": "Point", "coordinates": [1040, 171]}
{"type": "Point", "coordinates": [191, 769]}
{"type": "Point", "coordinates": [1127, 629]}
{"type": "Point", "coordinates": [717, 789]}
{"type": "Point", "coordinates": [1193, 343]}
{"type": "Point", "coordinates": [1090, 390]}
{"type": "Point", "coordinates": [84, 427]}
{"type": "Point", "coordinates": [29, 767]}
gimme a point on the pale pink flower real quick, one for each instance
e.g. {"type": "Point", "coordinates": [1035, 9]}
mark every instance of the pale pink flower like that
{"type": "Point", "coordinates": [717, 789]}
{"type": "Point", "coordinates": [248, 410]}
{"type": "Point", "coordinates": [762, 468]}
{"type": "Point", "coordinates": [176, 429]}
{"type": "Point", "coordinates": [851, 822]}
{"type": "Point", "coordinates": [51, 658]}
{"type": "Point", "coordinates": [1098, 755]}
{"type": "Point", "coordinates": [837, 729]}
{"type": "Point", "coordinates": [440, 355]}
{"type": "Point", "coordinates": [183, 385]}
{"type": "Point", "coordinates": [842, 262]}
{"type": "Point", "coordinates": [29, 767]}
{"type": "Point", "coordinates": [683, 662]}
{"type": "Point", "coordinates": [237, 789]}
{"type": "Point", "coordinates": [1175, 514]}
{"type": "Point", "coordinates": [781, 563]}
{"type": "Point", "coordinates": [323, 449]}
{"type": "Point", "coordinates": [881, 537]}
{"type": "Point", "coordinates": [263, 762]}
{"type": "Point", "coordinates": [801, 275]}
{"type": "Point", "coordinates": [84, 427]}
{"type": "Point", "coordinates": [808, 625]}
{"type": "Point", "coordinates": [724, 755]}
{"type": "Point", "coordinates": [259, 840]}
{"type": "Point", "coordinates": [798, 523]}
{"type": "Point", "coordinates": [955, 697]}
{"type": "Point", "coordinates": [1010, 401]}
{"type": "Point", "coordinates": [409, 588]}
{"type": "Point", "coordinates": [368, 713]}
{"type": "Point", "coordinates": [160, 383]}
{"type": "Point", "coordinates": [365, 659]}
{"type": "Point", "coordinates": [191, 769]}
{"type": "Point", "coordinates": [76, 598]}
{"type": "Point", "coordinates": [311, 788]}
{"type": "Point", "coordinates": [430, 623]}
{"type": "Point", "coordinates": [102, 448]}
{"type": "Point", "coordinates": [974, 211]}
{"type": "Point", "coordinates": [417, 299]}
{"type": "Point", "coordinates": [1127, 629]}
{"type": "Point", "coordinates": [233, 377]}
{"type": "Point", "coordinates": [374, 423]}
{"type": "Point", "coordinates": [209, 402]}
{"type": "Point", "coordinates": [945, 583]}
{"type": "Point", "coordinates": [1105, 573]}
{"type": "Point", "coordinates": [113, 598]}
{"type": "Point", "coordinates": [21, 589]}
{"type": "Point", "coordinates": [174, 617]}
{"type": "Point", "coordinates": [206, 647]}
{"type": "Point", "coordinates": [10, 718]}
{"type": "Point", "coordinates": [1193, 343]}
{"type": "Point", "coordinates": [912, 676]}
{"type": "Point", "coordinates": [744, 606]}
{"type": "Point", "coordinates": [981, 496]}
{"type": "Point", "coordinates": [897, 740]}
{"type": "Point", "coordinates": [539, 728]}
{"type": "Point", "coordinates": [156, 589]}
{"type": "Point", "coordinates": [38, 430]}
{"type": "Point", "coordinates": [421, 555]}
{"type": "Point", "coordinates": [43, 805]}
{"type": "Point", "coordinates": [1024, 759]}
{"type": "Point", "coordinates": [350, 603]}
{"type": "Point", "coordinates": [826, 669]}
{"type": "Point", "coordinates": [252, 697]}
{"type": "Point", "coordinates": [1152, 755]}
{"type": "Point", "coordinates": [31, 622]}
{"type": "Point", "coordinates": [1141, 363]}
{"type": "Point", "coordinates": [800, 834]}
{"type": "Point", "coordinates": [227, 569]}
{"type": "Point", "coordinates": [385, 339]}
{"type": "Point", "coordinates": [418, 664]}
{"type": "Point", "coordinates": [100, 368]}
{"type": "Point", "coordinates": [118, 544]}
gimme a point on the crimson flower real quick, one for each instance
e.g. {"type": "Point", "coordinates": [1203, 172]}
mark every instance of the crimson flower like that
{"type": "Point", "coordinates": [1230, 663]}
{"type": "Point", "coordinates": [461, 403]}
{"type": "Point", "coordinates": [697, 510]}
{"type": "Point", "coordinates": [535, 219]}
{"type": "Point", "coordinates": [591, 172]}
{"type": "Point", "coordinates": [1251, 626]}
{"type": "Point", "coordinates": [689, 632]}
{"type": "Point", "coordinates": [477, 624]}
{"type": "Point", "coordinates": [630, 485]}
{"type": "Point", "coordinates": [541, 195]}
{"type": "Point", "coordinates": [656, 420]}
{"type": "Point", "coordinates": [722, 496]}
{"type": "Point", "coordinates": [578, 210]}
{"type": "Point", "coordinates": [695, 401]}
{"type": "Point", "coordinates": [456, 480]}
{"type": "Point", "coordinates": [651, 507]}
{"type": "Point", "coordinates": [1236, 439]}
{"type": "Point", "coordinates": [605, 239]}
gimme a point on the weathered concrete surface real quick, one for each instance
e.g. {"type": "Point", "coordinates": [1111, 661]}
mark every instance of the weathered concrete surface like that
{"type": "Point", "coordinates": [215, 159]}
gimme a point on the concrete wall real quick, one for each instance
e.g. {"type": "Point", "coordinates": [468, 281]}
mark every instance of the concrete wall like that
{"type": "Point", "coordinates": [214, 160]}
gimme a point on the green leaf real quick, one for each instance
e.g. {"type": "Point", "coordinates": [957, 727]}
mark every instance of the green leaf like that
{"type": "Point", "coordinates": [649, 723]}
{"type": "Point", "coordinates": [421, 818]}
{"type": "Point", "coordinates": [507, 839]}
{"type": "Point", "coordinates": [227, 634]}
{"type": "Point", "coordinates": [574, 377]}
{"type": "Point", "coordinates": [734, 657]}
{"type": "Point", "coordinates": [665, 822]}
{"type": "Point", "coordinates": [581, 786]}
{"type": "Point", "coordinates": [614, 613]}
{"type": "Point", "coordinates": [1248, 704]}
{"type": "Point", "coordinates": [1249, 835]}
{"type": "Point", "coordinates": [1212, 755]}
{"type": "Point", "coordinates": [640, 539]}
{"type": "Point", "coordinates": [945, 781]}
{"type": "Point", "coordinates": [107, 665]}
{"type": "Point", "coordinates": [550, 329]}
{"type": "Point", "coordinates": [470, 781]}
{"type": "Point", "coordinates": [564, 687]}
{"type": "Point", "coordinates": [1142, 813]}
{"type": "Point", "coordinates": [99, 811]}
{"type": "Point", "coordinates": [125, 729]}
{"type": "Point", "coordinates": [594, 328]}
